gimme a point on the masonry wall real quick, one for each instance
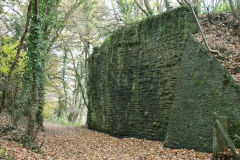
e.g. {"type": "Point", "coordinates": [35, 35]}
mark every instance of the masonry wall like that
{"type": "Point", "coordinates": [153, 80]}
{"type": "Point", "coordinates": [203, 87]}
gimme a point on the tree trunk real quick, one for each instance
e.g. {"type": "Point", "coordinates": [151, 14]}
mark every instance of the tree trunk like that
{"type": "Point", "coordinates": [141, 8]}
{"type": "Point", "coordinates": [86, 50]}
{"type": "Point", "coordinates": [238, 7]}
{"type": "Point", "coordinates": [180, 2]}
{"type": "Point", "coordinates": [5, 86]}
{"type": "Point", "coordinates": [159, 6]}
{"type": "Point", "coordinates": [147, 5]}
{"type": "Point", "coordinates": [34, 104]}
{"type": "Point", "coordinates": [197, 4]}
{"type": "Point", "coordinates": [167, 4]}
{"type": "Point", "coordinates": [65, 18]}
{"type": "Point", "coordinates": [15, 117]}
{"type": "Point", "coordinates": [235, 14]}
{"type": "Point", "coordinates": [85, 40]}
{"type": "Point", "coordinates": [31, 126]}
{"type": "Point", "coordinates": [77, 76]}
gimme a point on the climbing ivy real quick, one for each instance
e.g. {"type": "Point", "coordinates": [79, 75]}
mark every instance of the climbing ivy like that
{"type": "Point", "coordinates": [42, 20]}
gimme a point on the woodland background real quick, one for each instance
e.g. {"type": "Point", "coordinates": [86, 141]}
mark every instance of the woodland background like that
{"type": "Point", "coordinates": [44, 46]}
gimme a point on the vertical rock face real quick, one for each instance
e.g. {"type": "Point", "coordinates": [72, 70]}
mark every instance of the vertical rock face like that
{"type": "Point", "coordinates": [153, 80]}
{"type": "Point", "coordinates": [203, 87]}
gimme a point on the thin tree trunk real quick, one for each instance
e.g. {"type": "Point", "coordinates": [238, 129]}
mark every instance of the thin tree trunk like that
{"type": "Point", "coordinates": [86, 50]}
{"type": "Point", "coordinates": [141, 8]}
{"type": "Point", "coordinates": [20, 46]}
{"type": "Point", "coordinates": [66, 17]}
{"type": "Point", "coordinates": [159, 6]}
{"type": "Point", "coordinates": [86, 41]}
{"type": "Point", "coordinates": [64, 79]}
{"type": "Point", "coordinates": [146, 2]}
{"type": "Point", "coordinates": [114, 11]}
{"type": "Point", "coordinates": [196, 3]}
{"type": "Point", "coordinates": [180, 2]}
{"type": "Point", "coordinates": [238, 7]}
{"type": "Point", "coordinates": [167, 4]}
{"type": "Point", "coordinates": [235, 15]}
{"type": "Point", "coordinates": [15, 117]}
{"type": "Point", "coordinates": [77, 76]}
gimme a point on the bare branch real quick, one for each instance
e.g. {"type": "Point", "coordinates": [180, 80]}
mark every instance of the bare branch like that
{"type": "Point", "coordinates": [66, 17]}
{"type": "Point", "coordinates": [146, 2]}
{"type": "Point", "coordinates": [77, 74]}
{"type": "Point", "coordinates": [15, 11]}
{"type": "Point", "coordinates": [140, 7]}
{"type": "Point", "coordinates": [180, 2]}
{"type": "Point", "coordinates": [10, 30]}
{"type": "Point", "coordinates": [203, 36]}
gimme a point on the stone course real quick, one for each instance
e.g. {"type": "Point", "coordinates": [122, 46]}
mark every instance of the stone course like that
{"type": "Point", "coordinates": [153, 80]}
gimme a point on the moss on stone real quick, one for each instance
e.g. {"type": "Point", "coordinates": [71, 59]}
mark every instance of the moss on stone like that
{"type": "Point", "coordinates": [153, 79]}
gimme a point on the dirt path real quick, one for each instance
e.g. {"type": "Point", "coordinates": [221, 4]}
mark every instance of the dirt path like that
{"type": "Point", "coordinates": [64, 142]}
{"type": "Point", "coordinates": [69, 142]}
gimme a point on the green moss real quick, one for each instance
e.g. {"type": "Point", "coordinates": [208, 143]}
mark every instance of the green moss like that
{"type": "Point", "coordinates": [153, 79]}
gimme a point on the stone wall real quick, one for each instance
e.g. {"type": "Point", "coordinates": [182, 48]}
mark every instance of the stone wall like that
{"type": "Point", "coordinates": [153, 80]}
{"type": "Point", "coordinates": [203, 87]}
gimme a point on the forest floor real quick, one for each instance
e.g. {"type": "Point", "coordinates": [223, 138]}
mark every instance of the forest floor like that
{"type": "Point", "coordinates": [222, 34]}
{"type": "Point", "coordinates": [64, 142]}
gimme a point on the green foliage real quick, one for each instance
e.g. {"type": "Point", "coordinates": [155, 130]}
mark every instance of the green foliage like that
{"type": "Point", "coordinates": [26, 141]}
{"type": "Point", "coordinates": [7, 56]}
{"type": "Point", "coordinates": [1, 9]}
{"type": "Point", "coordinates": [4, 156]}
{"type": "Point", "coordinates": [48, 108]}
{"type": "Point", "coordinates": [126, 8]}
{"type": "Point", "coordinates": [235, 130]}
{"type": "Point", "coordinates": [222, 7]}
{"type": "Point", "coordinates": [2, 151]}
{"type": "Point", "coordinates": [63, 120]}
{"type": "Point", "coordinates": [35, 72]}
